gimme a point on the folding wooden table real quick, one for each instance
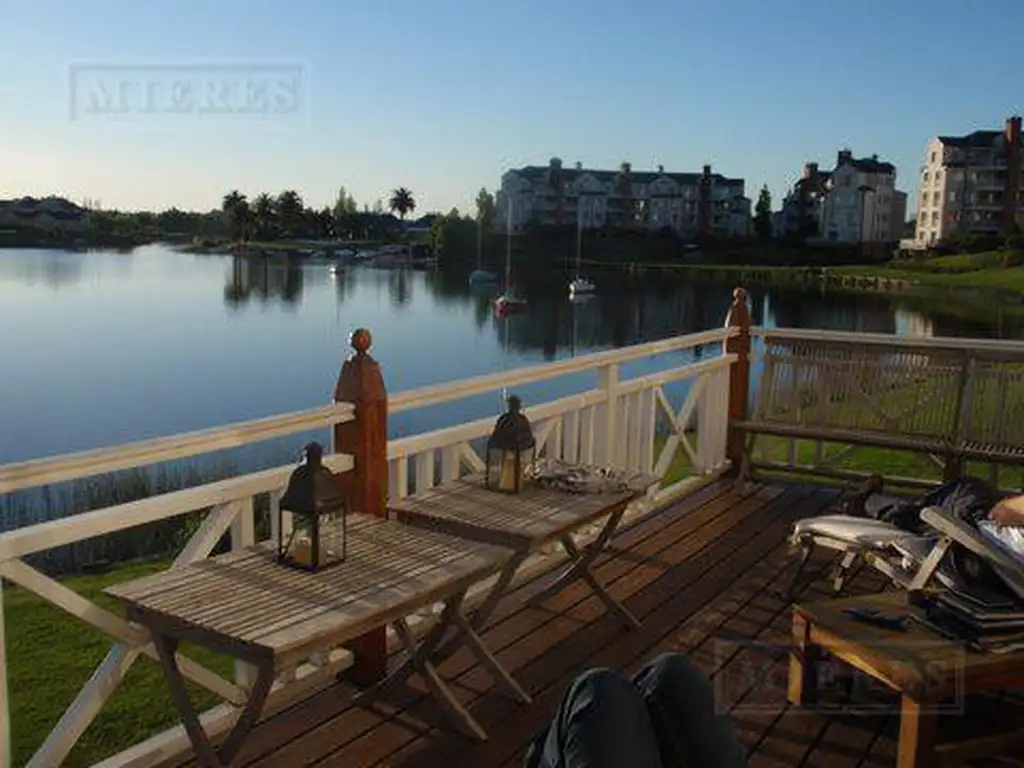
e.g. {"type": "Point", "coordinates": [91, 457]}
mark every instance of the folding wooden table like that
{"type": "Point", "coordinates": [525, 522]}
{"type": "Point", "coordinates": [248, 606]}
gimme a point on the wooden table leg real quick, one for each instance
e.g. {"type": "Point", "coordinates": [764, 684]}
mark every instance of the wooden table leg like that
{"type": "Point", "coordinates": [486, 658]}
{"type": "Point", "coordinates": [916, 747]}
{"type": "Point", "coordinates": [581, 560]}
{"type": "Point", "coordinates": [803, 664]}
{"type": "Point", "coordinates": [206, 754]}
{"type": "Point", "coordinates": [438, 688]}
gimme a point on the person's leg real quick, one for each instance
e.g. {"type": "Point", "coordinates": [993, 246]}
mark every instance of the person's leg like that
{"type": "Point", "coordinates": [602, 722]}
{"type": "Point", "coordinates": [681, 701]}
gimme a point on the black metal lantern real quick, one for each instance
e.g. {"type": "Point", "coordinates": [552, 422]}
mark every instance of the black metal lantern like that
{"type": "Point", "coordinates": [511, 449]}
{"type": "Point", "coordinates": [318, 538]}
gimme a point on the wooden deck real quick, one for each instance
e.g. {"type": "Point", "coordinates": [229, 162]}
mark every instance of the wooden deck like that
{"type": "Point", "coordinates": [702, 576]}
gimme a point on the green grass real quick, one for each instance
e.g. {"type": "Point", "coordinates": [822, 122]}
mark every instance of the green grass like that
{"type": "Point", "coordinates": [50, 656]}
{"type": "Point", "coordinates": [985, 270]}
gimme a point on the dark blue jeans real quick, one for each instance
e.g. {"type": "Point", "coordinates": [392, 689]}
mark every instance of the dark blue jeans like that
{"type": "Point", "coordinates": [664, 718]}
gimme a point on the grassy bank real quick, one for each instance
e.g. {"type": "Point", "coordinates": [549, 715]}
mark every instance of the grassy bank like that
{"type": "Point", "coordinates": [992, 270]}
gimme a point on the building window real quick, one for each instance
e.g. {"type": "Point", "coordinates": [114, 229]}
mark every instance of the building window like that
{"type": "Point", "coordinates": [933, 157]}
{"type": "Point", "coordinates": [925, 177]}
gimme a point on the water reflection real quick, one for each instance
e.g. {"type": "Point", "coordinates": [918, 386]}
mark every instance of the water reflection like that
{"type": "Point", "coordinates": [263, 278]}
{"type": "Point", "coordinates": [641, 309]}
{"type": "Point", "coordinates": [53, 269]}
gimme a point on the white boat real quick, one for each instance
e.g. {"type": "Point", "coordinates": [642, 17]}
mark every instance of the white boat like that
{"type": "Point", "coordinates": [481, 276]}
{"type": "Point", "coordinates": [579, 284]}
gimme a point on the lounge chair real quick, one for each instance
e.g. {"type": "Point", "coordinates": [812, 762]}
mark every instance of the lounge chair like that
{"type": "Point", "coordinates": [860, 540]}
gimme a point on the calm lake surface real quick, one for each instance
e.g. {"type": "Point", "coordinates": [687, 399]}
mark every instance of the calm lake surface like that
{"type": "Point", "coordinates": [99, 348]}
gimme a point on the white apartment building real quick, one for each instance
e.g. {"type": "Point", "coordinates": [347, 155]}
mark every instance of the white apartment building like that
{"type": "Point", "coordinates": [971, 184]}
{"type": "Point", "coordinates": [688, 203]}
{"type": "Point", "coordinates": [862, 204]}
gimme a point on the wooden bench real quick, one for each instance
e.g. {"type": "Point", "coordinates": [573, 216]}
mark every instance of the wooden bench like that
{"type": "Point", "coordinates": [952, 404]}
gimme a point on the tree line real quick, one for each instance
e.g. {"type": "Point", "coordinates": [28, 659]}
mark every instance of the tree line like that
{"type": "Point", "coordinates": [286, 216]}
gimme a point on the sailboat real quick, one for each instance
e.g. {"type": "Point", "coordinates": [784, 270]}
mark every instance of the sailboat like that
{"type": "Point", "coordinates": [508, 301]}
{"type": "Point", "coordinates": [481, 276]}
{"type": "Point", "coordinates": [579, 285]}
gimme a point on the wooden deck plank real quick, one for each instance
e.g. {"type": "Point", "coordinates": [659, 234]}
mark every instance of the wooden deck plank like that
{"type": "Point", "coordinates": [705, 577]}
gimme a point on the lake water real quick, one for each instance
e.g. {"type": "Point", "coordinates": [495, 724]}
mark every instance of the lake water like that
{"type": "Point", "coordinates": [99, 348]}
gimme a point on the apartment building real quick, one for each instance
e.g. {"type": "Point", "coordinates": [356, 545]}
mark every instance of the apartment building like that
{"type": "Point", "coordinates": [688, 203]}
{"type": "Point", "coordinates": [862, 204]}
{"type": "Point", "coordinates": [800, 214]}
{"type": "Point", "coordinates": [971, 185]}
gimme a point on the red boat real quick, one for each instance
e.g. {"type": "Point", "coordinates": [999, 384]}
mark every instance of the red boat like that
{"type": "Point", "coordinates": [508, 303]}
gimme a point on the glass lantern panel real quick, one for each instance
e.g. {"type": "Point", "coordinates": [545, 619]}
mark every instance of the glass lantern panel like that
{"type": "Point", "coordinates": [300, 550]}
{"type": "Point", "coordinates": [332, 537]}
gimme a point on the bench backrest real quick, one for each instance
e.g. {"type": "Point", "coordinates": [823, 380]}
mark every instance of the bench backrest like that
{"type": "Point", "coordinates": [867, 387]}
{"type": "Point", "coordinates": [993, 410]}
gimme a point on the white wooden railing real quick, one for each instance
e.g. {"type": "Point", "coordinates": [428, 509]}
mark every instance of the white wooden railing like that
{"type": "Point", "coordinates": [614, 424]}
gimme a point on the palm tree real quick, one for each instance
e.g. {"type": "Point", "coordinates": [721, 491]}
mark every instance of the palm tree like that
{"type": "Point", "coordinates": [235, 209]}
{"type": "Point", "coordinates": [290, 209]}
{"type": "Point", "coordinates": [263, 213]}
{"type": "Point", "coordinates": [402, 202]}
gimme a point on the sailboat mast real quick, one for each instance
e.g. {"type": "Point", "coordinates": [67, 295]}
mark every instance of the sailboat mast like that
{"type": "Point", "coordinates": [479, 241]}
{"type": "Point", "coordinates": [508, 245]}
{"type": "Point", "coordinates": [579, 232]}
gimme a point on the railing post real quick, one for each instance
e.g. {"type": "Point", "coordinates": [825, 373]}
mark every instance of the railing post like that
{"type": "Point", "coordinates": [739, 375]}
{"type": "Point", "coordinates": [365, 487]}
{"type": "Point", "coordinates": [608, 380]}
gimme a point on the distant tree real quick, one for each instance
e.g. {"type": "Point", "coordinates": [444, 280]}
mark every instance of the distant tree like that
{"type": "Point", "coordinates": [344, 204]}
{"type": "Point", "coordinates": [263, 214]}
{"type": "Point", "coordinates": [325, 223]}
{"type": "Point", "coordinates": [485, 210]}
{"type": "Point", "coordinates": [289, 209]}
{"type": "Point", "coordinates": [402, 202]}
{"type": "Point", "coordinates": [763, 214]}
{"type": "Point", "coordinates": [235, 209]}
{"type": "Point", "coordinates": [378, 207]}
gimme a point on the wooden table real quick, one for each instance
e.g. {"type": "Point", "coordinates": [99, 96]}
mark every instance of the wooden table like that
{"type": "Point", "coordinates": [923, 667]}
{"type": "Point", "coordinates": [524, 522]}
{"type": "Point", "coordinates": [246, 605]}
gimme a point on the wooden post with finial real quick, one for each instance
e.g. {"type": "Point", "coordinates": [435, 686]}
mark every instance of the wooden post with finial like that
{"type": "Point", "coordinates": [364, 488]}
{"type": "Point", "coordinates": [739, 375]}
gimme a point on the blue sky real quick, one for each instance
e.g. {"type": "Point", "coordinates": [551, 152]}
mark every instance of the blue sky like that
{"type": "Point", "coordinates": [442, 96]}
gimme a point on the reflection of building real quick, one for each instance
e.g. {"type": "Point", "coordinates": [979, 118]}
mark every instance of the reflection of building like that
{"type": "Point", "coordinates": [912, 324]}
{"type": "Point", "coordinates": [688, 203]}
{"type": "Point", "coordinates": [971, 184]}
{"type": "Point", "coordinates": [50, 214]}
